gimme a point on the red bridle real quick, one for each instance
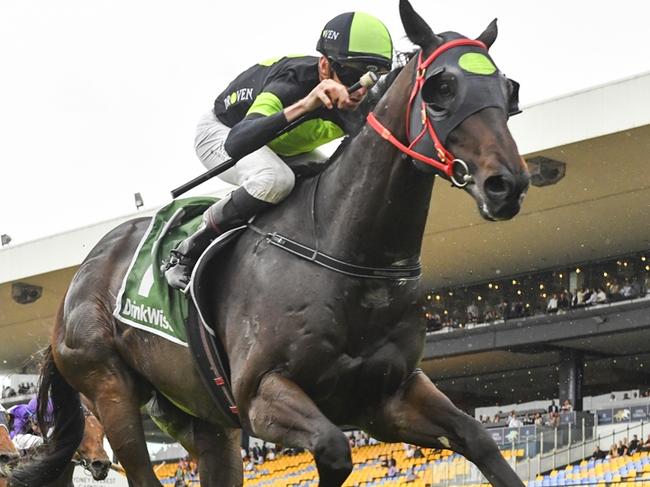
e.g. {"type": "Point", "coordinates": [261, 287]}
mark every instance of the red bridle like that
{"type": "Point", "coordinates": [446, 160]}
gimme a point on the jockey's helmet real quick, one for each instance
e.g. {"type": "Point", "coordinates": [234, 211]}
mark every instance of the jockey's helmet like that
{"type": "Point", "coordinates": [357, 39]}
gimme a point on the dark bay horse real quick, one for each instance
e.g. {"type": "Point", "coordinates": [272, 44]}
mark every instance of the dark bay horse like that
{"type": "Point", "coordinates": [308, 348]}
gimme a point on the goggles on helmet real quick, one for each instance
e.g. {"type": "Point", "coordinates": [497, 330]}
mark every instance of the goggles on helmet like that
{"type": "Point", "coordinates": [349, 73]}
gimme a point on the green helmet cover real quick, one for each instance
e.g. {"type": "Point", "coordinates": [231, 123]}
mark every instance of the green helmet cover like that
{"type": "Point", "coordinates": [356, 37]}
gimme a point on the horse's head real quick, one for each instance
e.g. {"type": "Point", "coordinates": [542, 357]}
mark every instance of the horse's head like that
{"type": "Point", "coordinates": [90, 453]}
{"type": "Point", "coordinates": [8, 453]}
{"type": "Point", "coordinates": [458, 115]}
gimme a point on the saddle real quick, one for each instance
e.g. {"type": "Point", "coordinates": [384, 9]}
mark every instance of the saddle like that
{"type": "Point", "coordinates": [209, 354]}
{"type": "Point", "coordinates": [146, 302]}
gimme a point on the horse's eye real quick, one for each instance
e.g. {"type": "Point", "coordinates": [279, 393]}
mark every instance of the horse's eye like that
{"type": "Point", "coordinates": [439, 91]}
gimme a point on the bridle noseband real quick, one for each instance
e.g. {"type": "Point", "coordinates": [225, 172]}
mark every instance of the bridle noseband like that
{"type": "Point", "coordinates": [78, 458]}
{"type": "Point", "coordinates": [445, 162]}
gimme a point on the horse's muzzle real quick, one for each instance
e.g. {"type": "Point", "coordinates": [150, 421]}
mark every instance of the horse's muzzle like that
{"type": "Point", "coordinates": [99, 469]}
{"type": "Point", "coordinates": [503, 195]}
{"type": "Point", "coordinates": [8, 457]}
{"type": "Point", "coordinates": [7, 462]}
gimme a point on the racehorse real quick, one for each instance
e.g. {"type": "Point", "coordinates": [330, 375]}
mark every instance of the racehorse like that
{"type": "Point", "coordinates": [90, 454]}
{"type": "Point", "coordinates": [8, 452]}
{"type": "Point", "coordinates": [309, 348]}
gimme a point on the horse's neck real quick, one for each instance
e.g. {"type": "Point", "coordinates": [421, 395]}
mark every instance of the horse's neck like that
{"type": "Point", "coordinates": [373, 204]}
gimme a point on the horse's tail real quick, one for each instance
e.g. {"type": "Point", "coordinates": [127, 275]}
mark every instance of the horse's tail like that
{"type": "Point", "coordinates": [67, 432]}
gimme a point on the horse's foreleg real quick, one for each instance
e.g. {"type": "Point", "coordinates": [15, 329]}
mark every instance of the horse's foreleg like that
{"type": "Point", "coordinates": [282, 413]}
{"type": "Point", "coordinates": [422, 415]}
{"type": "Point", "coordinates": [219, 455]}
{"type": "Point", "coordinates": [215, 448]}
{"type": "Point", "coordinates": [116, 400]}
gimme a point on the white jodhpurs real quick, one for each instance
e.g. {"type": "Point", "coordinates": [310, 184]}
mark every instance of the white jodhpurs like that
{"type": "Point", "coordinates": [263, 173]}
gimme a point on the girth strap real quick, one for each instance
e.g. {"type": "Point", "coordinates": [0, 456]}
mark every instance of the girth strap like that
{"type": "Point", "coordinates": [329, 262]}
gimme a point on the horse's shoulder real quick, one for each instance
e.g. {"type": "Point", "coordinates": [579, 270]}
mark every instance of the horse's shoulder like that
{"type": "Point", "coordinates": [291, 214]}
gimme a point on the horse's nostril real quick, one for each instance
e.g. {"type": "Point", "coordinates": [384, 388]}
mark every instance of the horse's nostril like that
{"type": "Point", "coordinates": [100, 469]}
{"type": "Point", "coordinates": [99, 464]}
{"type": "Point", "coordinates": [8, 457]}
{"type": "Point", "coordinates": [498, 186]}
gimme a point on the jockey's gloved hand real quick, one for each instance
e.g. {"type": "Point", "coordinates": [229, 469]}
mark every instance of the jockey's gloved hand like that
{"type": "Point", "coordinates": [328, 93]}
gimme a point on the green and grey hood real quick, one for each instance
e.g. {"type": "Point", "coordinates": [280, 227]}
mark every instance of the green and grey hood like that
{"type": "Point", "coordinates": [357, 37]}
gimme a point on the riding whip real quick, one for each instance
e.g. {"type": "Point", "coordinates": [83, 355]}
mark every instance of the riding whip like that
{"type": "Point", "coordinates": [366, 81]}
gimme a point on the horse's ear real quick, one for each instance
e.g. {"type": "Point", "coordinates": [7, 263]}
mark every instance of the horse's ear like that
{"type": "Point", "coordinates": [489, 35]}
{"type": "Point", "coordinates": [417, 30]}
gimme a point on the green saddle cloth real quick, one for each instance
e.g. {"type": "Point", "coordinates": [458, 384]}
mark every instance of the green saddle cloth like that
{"type": "Point", "coordinates": [145, 300]}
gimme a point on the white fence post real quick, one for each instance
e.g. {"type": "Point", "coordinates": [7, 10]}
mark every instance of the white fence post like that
{"type": "Point", "coordinates": [569, 446]}
{"type": "Point", "coordinates": [541, 450]}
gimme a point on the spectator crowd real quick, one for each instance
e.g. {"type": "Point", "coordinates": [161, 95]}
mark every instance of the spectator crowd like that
{"type": "Point", "coordinates": [548, 292]}
{"type": "Point", "coordinates": [550, 417]}
{"type": "Point", "coordinates": [187, 473]}
{"type": "Point", "coordinates": [259, 453]}
{"type": "Point", "coordinates": [622, 448]}
{"type": "Point", "coordinates": [24, 388]}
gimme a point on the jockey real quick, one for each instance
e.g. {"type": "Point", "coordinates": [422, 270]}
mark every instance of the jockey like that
{"type": "Point", "coordinates": [24, 417]}
{"type": "Point", "coordinates": [49, 413]}
{"type": "Point", "coordinates": [262, 101]}
{"type": "Point", "coordinates": [21, 419]}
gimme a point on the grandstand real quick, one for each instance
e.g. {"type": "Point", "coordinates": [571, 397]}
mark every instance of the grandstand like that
{"type": "Point", "coordinates": [370, 468]}
{"type": "Point", "coordinates": [597, 213]}
{"type": "Point", "coordinates": [626, 472]}
{"type": "Point", "coordinates": [442, 467]}
{"type": "Point", "coordinates": [576, 452]}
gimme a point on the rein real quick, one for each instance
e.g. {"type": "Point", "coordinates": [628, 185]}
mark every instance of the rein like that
{"type": "Point", "coordinates": [394, 272]}
{"type": "Point", "coordinates": [446, 160]}
{"type": "Point", "coordinates": [82, 462]}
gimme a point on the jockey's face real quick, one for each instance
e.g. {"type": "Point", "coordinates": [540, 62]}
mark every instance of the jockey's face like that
{"type": "Point", "coordinates": [347, 79]}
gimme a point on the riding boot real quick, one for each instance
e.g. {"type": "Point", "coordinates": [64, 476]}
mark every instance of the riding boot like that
{"type": "Point", "coordinates": [222, 216]}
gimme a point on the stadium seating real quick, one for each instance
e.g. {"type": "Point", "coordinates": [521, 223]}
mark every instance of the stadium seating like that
{"type": "Point", "coordinates": [436, 467]}
{"type": "Point", "coordinates": [628, 471]}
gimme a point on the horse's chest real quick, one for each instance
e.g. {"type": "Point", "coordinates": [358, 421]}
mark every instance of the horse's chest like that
{"type": "Point", "coordinates": [344, 386]}
{"type": "Point", "coordinates": [364, 366]}
{"type": "Point", "coordinates": [379, 298]}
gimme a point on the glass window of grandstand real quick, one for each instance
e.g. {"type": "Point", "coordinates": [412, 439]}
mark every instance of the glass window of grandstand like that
{"type": "Point", "coordinates": [556, 291]}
